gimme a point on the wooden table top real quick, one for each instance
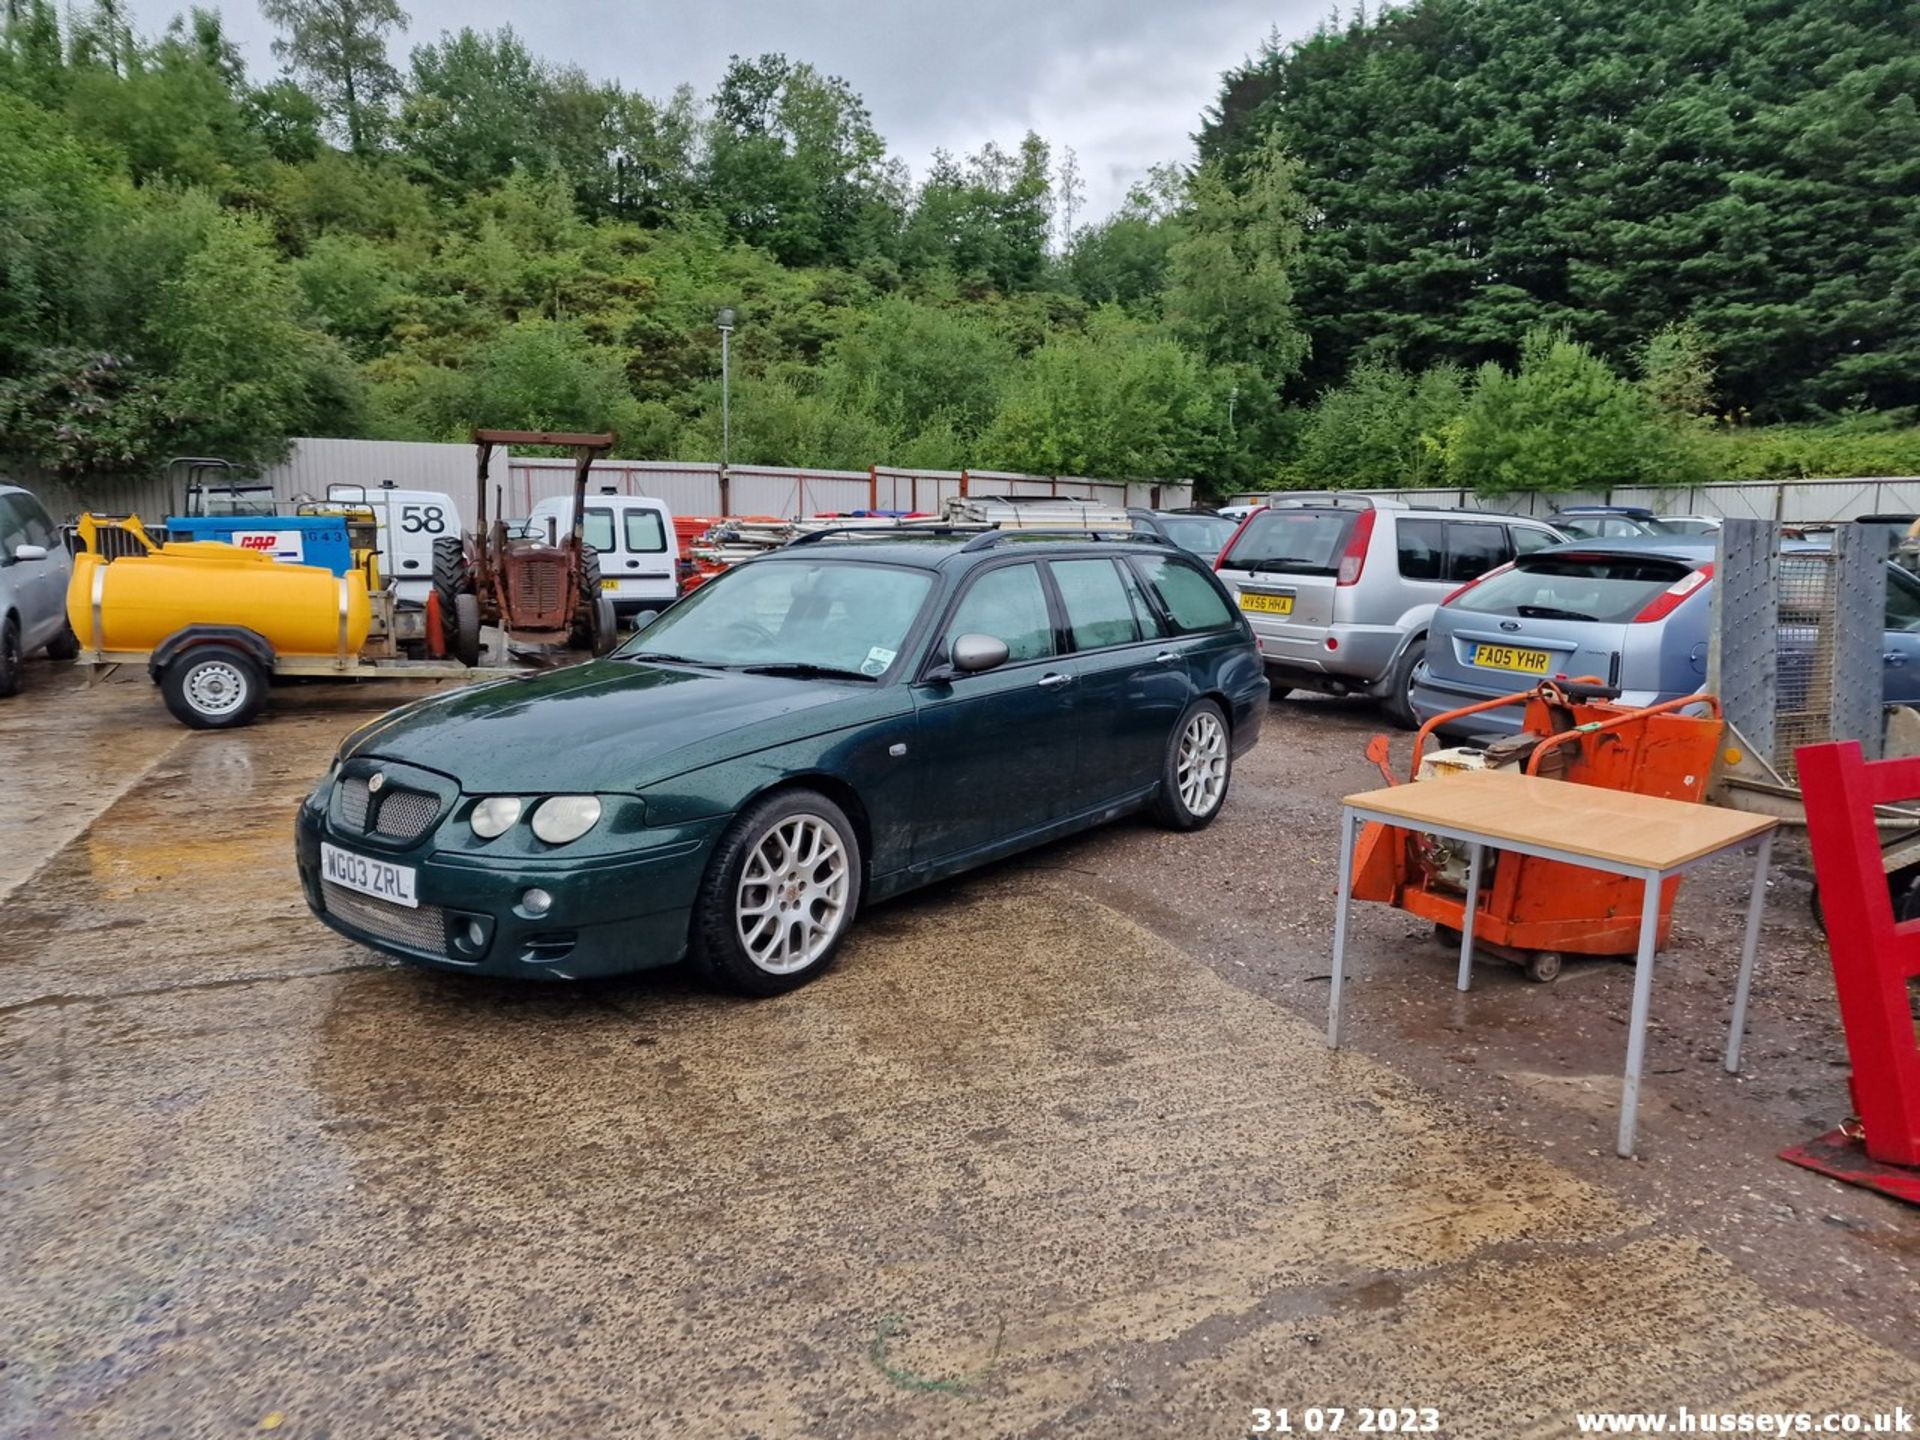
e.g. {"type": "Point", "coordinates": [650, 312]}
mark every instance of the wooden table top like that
{"type": "Point", "coordinates": [1611, 825]}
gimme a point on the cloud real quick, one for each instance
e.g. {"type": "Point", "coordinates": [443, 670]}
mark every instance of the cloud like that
{"type": "Point", "coordinates": [1122, 84]}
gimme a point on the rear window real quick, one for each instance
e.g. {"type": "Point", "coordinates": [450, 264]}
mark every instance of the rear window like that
{"type": "Point", "coordinates": [1609, 588]}
{"type": "Point", "coordinates": [1292, 541]}
{"type": "Point", "coordinates": [597, 526]}
{"type": "Point", "coordinates": [646, 534]}
{"type": "Point", "coordinates": [1202, 534]}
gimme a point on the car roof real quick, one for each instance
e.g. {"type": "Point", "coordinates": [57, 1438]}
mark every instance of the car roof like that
{"type": "Point", "coordinates": [1638, 512]}
{"type": "Point", "coordinates": [940, 552]}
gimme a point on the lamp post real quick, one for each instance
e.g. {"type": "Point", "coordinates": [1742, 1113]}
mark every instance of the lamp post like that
{"type": "Point", "coordinates": [724, 320]}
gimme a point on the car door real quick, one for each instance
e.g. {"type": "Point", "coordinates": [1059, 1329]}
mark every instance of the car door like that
{"type": "Point", "coordinates": [37, 587]}
{"type": "Point", "coordinates": [1130, 683]}
{"type": "Point", "coordinates": [646, 560]}
{"type": "Point", "coordinates": [1900, 645]}
{"type": "Point", "coordinates": [996, 749]}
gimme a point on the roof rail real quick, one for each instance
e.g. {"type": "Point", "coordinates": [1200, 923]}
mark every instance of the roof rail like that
{"type": "Point", "coordinates": [1337, 499]}
{"type": "Point", "coordinates": [992, 538]}
{"type": "Point", "coordinates": [883, 532]}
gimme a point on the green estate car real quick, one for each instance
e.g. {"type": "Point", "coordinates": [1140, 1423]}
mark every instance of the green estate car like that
{"type": "Point", "coordinates": [817, 729]}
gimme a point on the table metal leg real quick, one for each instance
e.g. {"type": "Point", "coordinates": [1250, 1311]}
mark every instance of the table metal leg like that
{"type": "Point", "coordinates": [1466, 921]}
{"type": "Point", "coordinates": [1749, 950]}
{"type": "Point", "coordinates": [1342, 903]}
{"type": "Point", "coordinates": [1637, 1022]}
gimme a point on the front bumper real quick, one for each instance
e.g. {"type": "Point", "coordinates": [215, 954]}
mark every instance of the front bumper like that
{"type": "Point", "coordinates": [611, 914]}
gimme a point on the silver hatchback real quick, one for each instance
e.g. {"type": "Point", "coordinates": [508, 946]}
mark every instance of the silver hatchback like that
{"type": "Point", "coordinates": [1340, 589]}
{"type": "Point", "coordinates": [34, 569]}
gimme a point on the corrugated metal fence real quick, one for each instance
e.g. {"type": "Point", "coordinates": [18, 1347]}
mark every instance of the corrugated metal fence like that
{"type": "Point", "coordinates": [688, 487]}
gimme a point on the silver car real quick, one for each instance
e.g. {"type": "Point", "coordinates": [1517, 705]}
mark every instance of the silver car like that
{"type": "Point", "coordinates": [34, 569]}
{"type": "Point", "coordinates": [1340, 589]}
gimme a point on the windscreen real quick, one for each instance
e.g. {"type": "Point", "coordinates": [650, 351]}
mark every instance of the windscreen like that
{"type": "Point", "coordinates": [1292, 541]}
{"type": "Point", "coordinates": [837, 614]}
{"type": "Point", "coordinates": [1609, 588]}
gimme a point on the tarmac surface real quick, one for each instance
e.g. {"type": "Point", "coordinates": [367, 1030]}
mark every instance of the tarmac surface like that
{"type": "Point", "coordinates": [1055, 1150]}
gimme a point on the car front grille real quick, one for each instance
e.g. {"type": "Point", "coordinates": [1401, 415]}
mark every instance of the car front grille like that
{"type": "Point", "coordinates": [402, 815]}
{"type": "Point", "coordinates": [406, 814]}
{"type": "Point", "coordinates": [353, 802]}
{"type": "Point", "coordinates": [424, 928]}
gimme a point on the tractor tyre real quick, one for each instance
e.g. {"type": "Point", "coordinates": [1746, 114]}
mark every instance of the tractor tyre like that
{"type": "Point", "coordinates": [451, 578]}
{"type": "Point", "coordinates": [465, 641]}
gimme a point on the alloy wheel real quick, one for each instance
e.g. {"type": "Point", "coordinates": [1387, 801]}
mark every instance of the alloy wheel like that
{"type": "Point", "coordinates": [1202, 768]}
{"type": "Point", "coordinates": [792, 899]}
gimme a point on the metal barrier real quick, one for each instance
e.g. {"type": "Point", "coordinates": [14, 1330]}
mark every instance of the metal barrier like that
{"type": "Point", "coordinates": [1798, 636]}
{"type": "Point", "coordinates": [114, 543]}
{"type": "Point", "coordinates": [1875, 956]}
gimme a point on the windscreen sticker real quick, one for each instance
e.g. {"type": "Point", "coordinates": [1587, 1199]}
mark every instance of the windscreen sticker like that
{"type": "Point", "coordinates": [877, 661]}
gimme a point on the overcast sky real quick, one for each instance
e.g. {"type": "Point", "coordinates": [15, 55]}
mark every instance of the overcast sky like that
{"type": "Point", "coordinates": [1121, 81]}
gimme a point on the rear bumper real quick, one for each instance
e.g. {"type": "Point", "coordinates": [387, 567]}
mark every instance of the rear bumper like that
{"type": "Point", "coordinates": [1360, 658]}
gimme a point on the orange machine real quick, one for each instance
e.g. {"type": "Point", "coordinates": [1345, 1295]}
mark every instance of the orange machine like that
{"type": "Point", "coordinates": [1531, 911]}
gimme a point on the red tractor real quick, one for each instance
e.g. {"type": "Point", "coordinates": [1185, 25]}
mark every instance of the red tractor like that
{"type": "Point", "coordinates": [540, 590]}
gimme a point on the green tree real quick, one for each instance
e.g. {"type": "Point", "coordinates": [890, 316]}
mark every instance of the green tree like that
{"type": "Point", "coordinates": [1121, 401]}
{"type": "Point", "coordinates": [475, 110]}
{"type": "Point", "coordinates": [340, 46]}
{"type": "Point", "coordinates": [794, 164]}
{"type": "Point", "coordinates": [1381, 428]}
{"type": "Point", "coordinates": [1562, 421]}
{"type": "Point", "coordinates": [984, 222]}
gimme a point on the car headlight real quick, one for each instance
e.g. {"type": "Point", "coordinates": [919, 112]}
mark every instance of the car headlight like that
{"type": "Point", "coordinates": [494, 815]}
{"type": "Point", "coordinates": [565, 818]}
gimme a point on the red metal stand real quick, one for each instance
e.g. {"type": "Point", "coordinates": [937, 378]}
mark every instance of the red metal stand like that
{"type": "Point", "coordinates": [1874, 960]}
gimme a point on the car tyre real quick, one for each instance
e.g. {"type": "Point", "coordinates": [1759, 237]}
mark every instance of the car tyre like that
{"type": "Point", "coordinates": [1397, 702]}
{"type": "Point", "coordinates": [466, 628]}
{"type": "Point", "coordinates": [1197, 770]}
{"type": "Point", "coordinates": [65, 645]}
{"type": "Point", "coordinates": [779, 895]}
{"type": "Point", "coordinates": [214, 687]}
{"type": "Point", "coordinates": [10, 657]}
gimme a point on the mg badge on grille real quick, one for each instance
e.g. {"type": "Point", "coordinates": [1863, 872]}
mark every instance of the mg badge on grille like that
{"type": "Point", "coordinates": [376, 782]}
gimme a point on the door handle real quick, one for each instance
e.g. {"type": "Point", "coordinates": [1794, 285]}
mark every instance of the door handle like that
{"type": "Point", "coordinates": [1165, 657]}
{"type": "Point", "coordinates": [1054, 682]}
{"type": "Point", "coordinates": [1894, 657]}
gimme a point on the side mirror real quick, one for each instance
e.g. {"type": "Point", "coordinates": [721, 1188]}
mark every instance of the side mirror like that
{"type": "Point", "coordinates": [973, 653]}
{"type": "Point", "coordinates": [30, 552]}
{"type": "Point", "coordinates": [644, 619]}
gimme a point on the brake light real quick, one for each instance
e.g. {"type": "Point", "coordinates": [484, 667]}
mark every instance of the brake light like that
{"type": "Point", "coordinates": [1220, 560]}
{"type": "Point", "coordinates": [1497, 570]}
{"type": "Point", "coordinates": [1355, 559]}
{"type": "Point", "coordinates": [1675, 595]}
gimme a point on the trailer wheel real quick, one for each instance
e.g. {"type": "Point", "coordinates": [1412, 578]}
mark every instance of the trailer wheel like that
{"type": "Point", "coordinates": [1543, 966]}
{"type": "Point", "coordinates": [65, 645]}
{"type": "Point", "coordinates": [214, 687]}
{"type": "Point", "coordinates": [9, 657]}
{"type": "Point", "coordinates": [466, 629]}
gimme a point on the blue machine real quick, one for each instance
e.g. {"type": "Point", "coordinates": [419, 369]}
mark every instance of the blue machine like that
{"type": "Point", "coordinates": [293, 539]}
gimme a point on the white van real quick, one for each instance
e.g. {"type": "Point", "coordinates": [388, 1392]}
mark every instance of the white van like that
{"type": "Point", "coordinates": [410, 521]}
{"type": "Point", "coordinates": [639, 552]}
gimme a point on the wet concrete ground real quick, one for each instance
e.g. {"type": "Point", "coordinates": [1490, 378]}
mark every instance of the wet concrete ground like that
{"type": "Point", "coordinates": [1055, 1150]}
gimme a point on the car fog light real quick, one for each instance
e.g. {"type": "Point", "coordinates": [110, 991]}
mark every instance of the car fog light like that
{"type": "Point", "coordinates": [476, 934]}
{"type": "Point", "coordinates": [536, 902]}
{"type": "Point", "coordinates": [565, 818]}
{"type": "Point", "coordinates": [494, 816]}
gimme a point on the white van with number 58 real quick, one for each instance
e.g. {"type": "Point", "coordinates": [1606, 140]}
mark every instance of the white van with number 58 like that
{"type": "Point", "coordinates": [410, 521]}
{"type": "Point", "coordinates": [638, 551]}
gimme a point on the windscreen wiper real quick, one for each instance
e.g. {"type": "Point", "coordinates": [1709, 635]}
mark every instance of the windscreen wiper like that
{"type": "Point", "coordinates": [1288, 567]}
{"type": "Point", "coordinates": [803, 670]}
{"type": "Point", "coordinates": [667, 659]}
{"type": "Point", "coordinates": [1548, 612]}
